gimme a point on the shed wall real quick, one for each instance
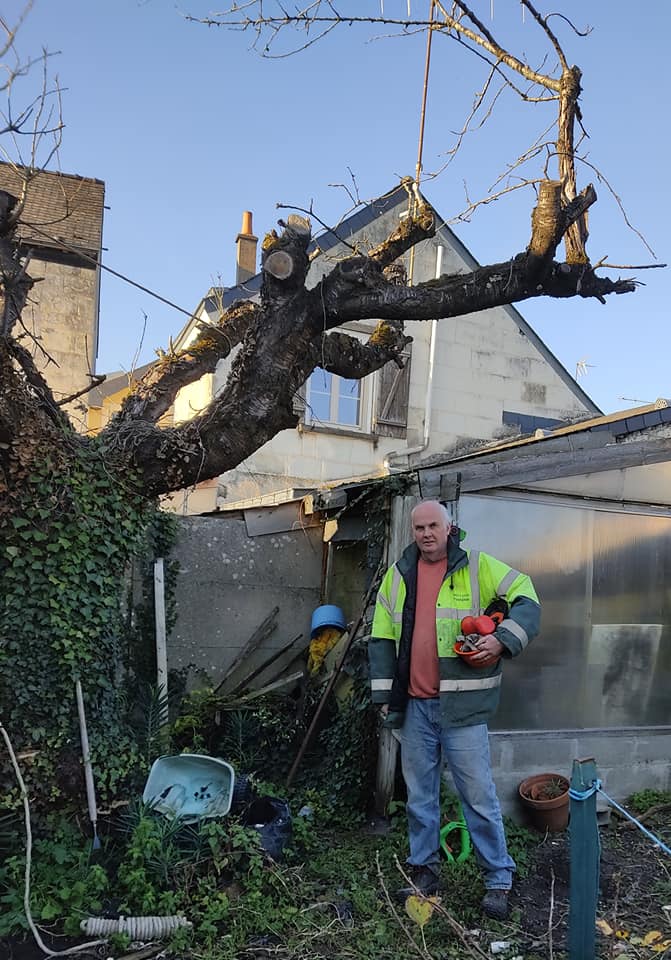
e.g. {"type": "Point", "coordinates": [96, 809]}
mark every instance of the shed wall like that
{"type": "Point", "coordinates": [230, 580]}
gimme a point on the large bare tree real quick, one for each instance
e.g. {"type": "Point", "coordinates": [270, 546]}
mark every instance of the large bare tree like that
{"type": "Point", "coordinates": [278, 340]}
{"type": "Point", "coordinates": [289, 331]}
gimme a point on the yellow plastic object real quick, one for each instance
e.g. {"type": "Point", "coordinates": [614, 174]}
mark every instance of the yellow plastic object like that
{"type": "Point", "coordinates": [324, 640]}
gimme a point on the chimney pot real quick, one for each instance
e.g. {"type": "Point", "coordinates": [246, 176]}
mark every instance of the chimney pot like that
{"type": "Point", "coordinates": [245, 242]}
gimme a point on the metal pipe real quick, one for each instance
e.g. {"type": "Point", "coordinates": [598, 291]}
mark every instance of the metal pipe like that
{"type": "Point", "coordinates": [422, 117]}
{"type": "Point", "coordinates": [88, 769]}
{"type": "Point", "coordinates": [428, 399]}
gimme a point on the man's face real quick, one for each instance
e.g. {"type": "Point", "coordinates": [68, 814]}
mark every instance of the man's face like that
{"type": "Point", "coordinates": [431, 530]}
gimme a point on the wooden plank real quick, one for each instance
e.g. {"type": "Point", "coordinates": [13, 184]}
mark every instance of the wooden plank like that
{"type": "Point", "coordinates": [260, 634]}
{"type": "Point", "coordinates": [270, 687]}
{"type": "Point", "coordinates": [584, 859]}
{"type": "Point", "coordinates": [400, 533]}
{"type": "Point", "coordinates": [513, 452]}
{"type": "Point", "coordinates": [480, 475]}
{"type": "Point", "coordinates": [266, 663]}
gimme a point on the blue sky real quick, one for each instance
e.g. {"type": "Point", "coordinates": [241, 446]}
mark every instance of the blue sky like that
{"type": "Point", "coordinates": [188, 127]}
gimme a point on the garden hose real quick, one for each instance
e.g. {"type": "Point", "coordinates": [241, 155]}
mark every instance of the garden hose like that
{"type": "Point", "coordinates": [137, 928]}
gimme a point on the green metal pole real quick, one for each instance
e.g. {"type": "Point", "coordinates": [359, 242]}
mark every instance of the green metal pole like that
{"type": "Point", "coordinates": [584, 875]}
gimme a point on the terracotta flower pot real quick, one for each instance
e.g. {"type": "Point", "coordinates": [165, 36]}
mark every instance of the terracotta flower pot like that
{"type": "Point", "coordinates": [545, 796]}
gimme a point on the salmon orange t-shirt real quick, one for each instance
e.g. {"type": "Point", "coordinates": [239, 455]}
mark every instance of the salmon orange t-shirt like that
{"type": "Point", "coordinates": [424, 670]}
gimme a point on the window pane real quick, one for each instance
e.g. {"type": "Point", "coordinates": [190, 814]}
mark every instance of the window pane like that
{"type": "Point", "coordinates": [319, 395]}
{"type": "Point", "coordinates": [348, 401]}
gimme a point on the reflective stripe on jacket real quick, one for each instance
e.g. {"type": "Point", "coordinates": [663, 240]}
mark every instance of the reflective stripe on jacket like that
{"type": "Point", "coordinates": [472, 581]}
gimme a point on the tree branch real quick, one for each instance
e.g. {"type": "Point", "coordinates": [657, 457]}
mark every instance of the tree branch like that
{"type": "Point", "coordinates": [156, 391]}
{"type": "Point", "coordinates": [490, 286]}
{"type": "Point", "coordinates": [352, 359]}
{"type": "Point", "coordinates": [550, 221]}
{"type": "Point", "coordinates": [419, 225]}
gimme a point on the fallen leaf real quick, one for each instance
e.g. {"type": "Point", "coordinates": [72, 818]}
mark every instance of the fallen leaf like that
{"type": "Point", "coordinates": [651, 937]}
{"type": "Point", "coordinates": [605, 928]}
{"type": "Point", "coordinates": [622, 934]}
{"type": "Point", "coordinates": [661, 947]}
{"type": "Point", "coordinates": [420, 909]}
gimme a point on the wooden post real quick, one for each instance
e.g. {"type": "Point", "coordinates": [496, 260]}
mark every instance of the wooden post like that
{"type": "Point", "coordinates": [400, 534]}
{"type": "Point", "coordinates": [161, 647]}
{"type": "Point", "coordinates": [584, 872]}
{"type": "Point", "coordinates": [387, 758]}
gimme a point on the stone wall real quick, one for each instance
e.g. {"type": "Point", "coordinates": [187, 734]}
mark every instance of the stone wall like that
{"type": "Point", "coordinates": [63, 315]}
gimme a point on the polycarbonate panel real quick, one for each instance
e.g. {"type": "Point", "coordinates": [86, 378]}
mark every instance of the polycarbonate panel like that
{"type": "Point", "coordinates": [603, 657]}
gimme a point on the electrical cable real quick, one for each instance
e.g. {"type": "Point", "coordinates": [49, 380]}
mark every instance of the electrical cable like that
{"type": "Point", "coordinates": [98, 263]}
{"type": "Point", "coordinates": [29, 847]}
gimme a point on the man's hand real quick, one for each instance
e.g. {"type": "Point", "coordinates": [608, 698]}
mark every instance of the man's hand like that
{"type": "Point", "coordinates": [384, 710]}
{"type": "Point", "coordinates": [489, 650]}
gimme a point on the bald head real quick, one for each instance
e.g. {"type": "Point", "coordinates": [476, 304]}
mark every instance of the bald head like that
{"type": "Point", "coordinates": [431, 527]}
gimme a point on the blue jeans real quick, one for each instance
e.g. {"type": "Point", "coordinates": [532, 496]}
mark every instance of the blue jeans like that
{"type": "Point", "coordinates": [425, 746]}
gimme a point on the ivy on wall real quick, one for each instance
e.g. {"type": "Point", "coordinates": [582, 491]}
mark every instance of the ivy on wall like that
{"type": "Point", "coordinates": [68, 537]}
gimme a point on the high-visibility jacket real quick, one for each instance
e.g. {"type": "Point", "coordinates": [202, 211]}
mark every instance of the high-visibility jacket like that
{"type": "Point", "coordinates": [472, 581]}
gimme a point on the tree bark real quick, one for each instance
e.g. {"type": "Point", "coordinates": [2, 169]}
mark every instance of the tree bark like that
{"type": "Point", "coordinates": [281, 340]}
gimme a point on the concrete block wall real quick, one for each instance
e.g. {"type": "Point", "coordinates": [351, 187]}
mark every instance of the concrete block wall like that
{"type": "Point", "coordinates": [628, 760]}
{"type": "Point", "coordinates": [229, 582]}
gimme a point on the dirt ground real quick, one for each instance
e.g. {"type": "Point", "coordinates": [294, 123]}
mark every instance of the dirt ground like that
{"type": "Point", "coordinates": [634, 887]}
{"type": "Point", "coordinates": [635, 899]}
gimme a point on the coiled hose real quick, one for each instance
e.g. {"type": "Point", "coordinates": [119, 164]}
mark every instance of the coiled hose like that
{"type": "Point", "coordinates": [137, 928]}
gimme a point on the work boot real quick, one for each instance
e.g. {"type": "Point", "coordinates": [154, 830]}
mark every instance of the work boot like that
{"type": "Point", "coordinates": [495, 904]}
{"type": "Point", "coordinates": [425, 882]}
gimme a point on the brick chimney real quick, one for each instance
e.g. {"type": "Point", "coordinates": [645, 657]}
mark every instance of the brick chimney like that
{"type": "Point", "coordinates": [245, 256]}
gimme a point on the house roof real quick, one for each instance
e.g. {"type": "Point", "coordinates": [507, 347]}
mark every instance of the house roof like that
{"type": "Point", "coordinates": [118, 380]}
{"type": "Point", "coordinates": [218, 297]}
{"type": "Point", "coordinates": [60, 209]}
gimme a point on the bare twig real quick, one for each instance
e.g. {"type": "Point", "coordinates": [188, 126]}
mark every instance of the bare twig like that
{"type": "Point", "coordinates": [96, 380]}
{"type": "Point", "coordinates": [394, 912]}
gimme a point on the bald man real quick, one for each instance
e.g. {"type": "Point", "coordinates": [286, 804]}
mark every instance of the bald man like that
{"type": "Point", "coordinates": [441, 704]}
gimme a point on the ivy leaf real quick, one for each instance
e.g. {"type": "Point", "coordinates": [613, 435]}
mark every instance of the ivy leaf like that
{"type": "Point", "coordinates": [59, 853]}
{"type": "Point", "coordinates": [49, 910]}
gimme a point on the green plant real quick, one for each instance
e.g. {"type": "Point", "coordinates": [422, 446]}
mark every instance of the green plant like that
{"type": "Point", "coordinates": [555, 787]}
{"type": "Point", "coordinates": [521, 844]}
{"type": "Point", "coordinates": [643, 800]}
{"type": "Point", "coordinates": [68, 538]}
{"type": "Point", "coordinates": [65, 884]}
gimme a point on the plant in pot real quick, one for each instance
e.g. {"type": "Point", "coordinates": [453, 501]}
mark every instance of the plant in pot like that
{"type": "Point", "coordinates": [545, 797]}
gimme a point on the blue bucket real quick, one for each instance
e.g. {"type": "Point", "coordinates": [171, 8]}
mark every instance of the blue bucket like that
{"type": "Point", "coordinates": [327, 616]}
